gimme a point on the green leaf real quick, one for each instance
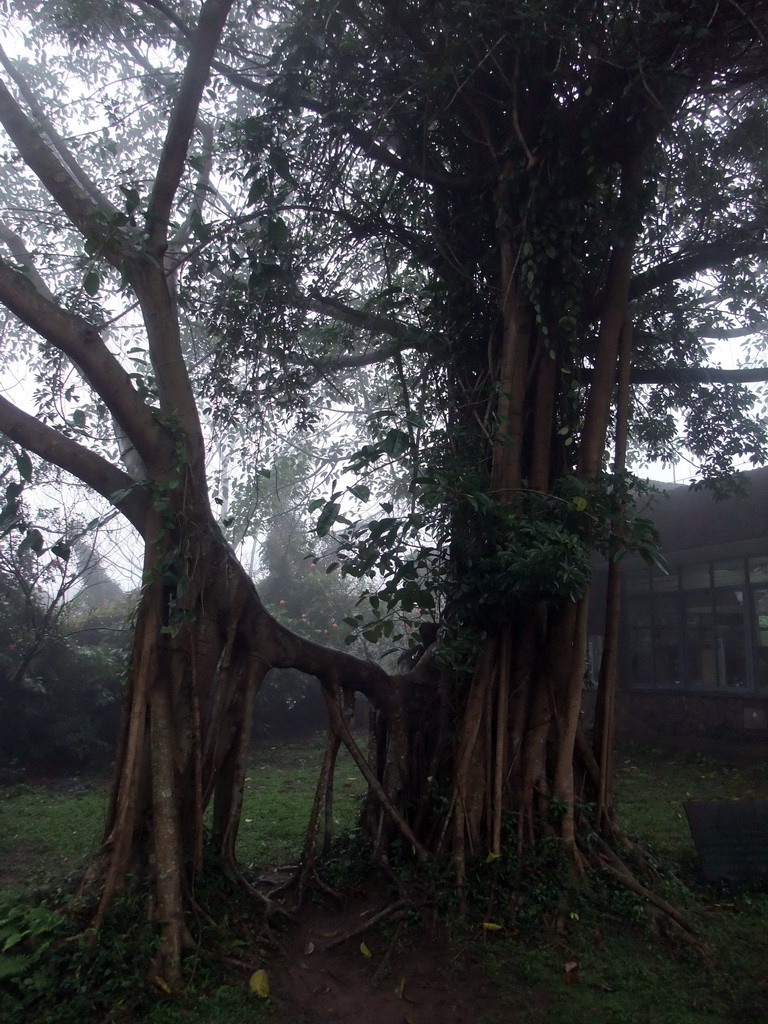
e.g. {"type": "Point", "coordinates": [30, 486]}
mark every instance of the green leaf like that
{"type": "Point", "coordinates": [395, 443]}
{"type": "Point", "coordinates": [132, 197]}
{"type": "Point", "coordinates": [14, 965]}
{"type": "Point", "coordinates": [328, 517]}
{"type": "Point", "coordinates": [281, 165]}
{"type": "Point", "coordinates": [32, 542]}
{"type": "Point", "coordinates": [91, 282]}
{"type": "Point", "coordinates": [278, 231]}
{"type": "Point", "coordinates": [117, 496]}
{"type": "Point", "coordinates": [61, 550]}
{"type": "Point", "coordinates": [24, 465]}
{"type": "Point", "coordinates": [360, 491]}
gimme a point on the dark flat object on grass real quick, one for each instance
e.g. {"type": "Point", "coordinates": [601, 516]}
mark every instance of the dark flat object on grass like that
{"type": "Point", "coordinates": [731, 838]}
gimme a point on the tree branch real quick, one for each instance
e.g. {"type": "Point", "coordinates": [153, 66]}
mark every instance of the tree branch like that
{"type": "Point", "coordinates": [53, 136]}
{"type": "Point", "coordinates": [671, 374]}
{"type": "Point", "coordinates": [92, 469]}
{"type": "Point", "coordinates": [18, 249]}
{"type": "Point", "coordinates": [684, 266]}
{"type": "Point", "coordinates": [83, 344]}
{"type": "Point", "coordinates": [727, 333]}
{"type": "Point", "coordinates": [202, 47]}
{"type": "Point", "coordinates": [64, 187]}
{"type": "Point", "coordinates": [404, 337]}
{"type": "Point", "coordinates": [201, 190]}
{"type": "Point", "coordinates": [404, 334]}
{"type": "Point", "coordinates": [149, 275]}
{"type": "Point", "coordinates": [366, 141]}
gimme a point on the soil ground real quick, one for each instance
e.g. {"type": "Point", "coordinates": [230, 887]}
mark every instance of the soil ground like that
{"type": "Point", "coordinates": [388, 974]}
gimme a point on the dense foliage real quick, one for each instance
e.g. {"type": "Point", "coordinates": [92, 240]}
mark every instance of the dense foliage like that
{"type": "Point", "coordinates": [62, 664]}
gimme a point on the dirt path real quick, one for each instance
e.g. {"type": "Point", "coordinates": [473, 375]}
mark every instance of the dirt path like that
{"type": "Point", "coordinates": [401, 974]}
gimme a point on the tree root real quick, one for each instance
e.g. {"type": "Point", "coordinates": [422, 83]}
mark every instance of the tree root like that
{"type": "Point", "coordinates": [388, 955]}
{"type": "Point", "coordinates": [399, 904]}
{"type": "Point", "coordinates": [305, 877]}
{"type": "Point", "coordinates": [679, 924]}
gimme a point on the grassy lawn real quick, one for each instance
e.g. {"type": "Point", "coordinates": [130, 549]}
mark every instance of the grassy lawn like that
{"type": "Point", "coordinates": [590, 961]}
{"type": "Point", "coordinates": [627, 974]}
{"type": "Point", "coordinates": [278, 799]}
{"type": "Point", "coordinates": [47, 832]}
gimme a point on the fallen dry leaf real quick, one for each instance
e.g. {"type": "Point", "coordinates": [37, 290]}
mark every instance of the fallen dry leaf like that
{"type": "Point", "coordinates": [571, 973]}
{"type": "Point", "coordinates": [259, 983]}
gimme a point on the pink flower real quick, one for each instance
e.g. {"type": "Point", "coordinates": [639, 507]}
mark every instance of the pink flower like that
{"type": "Point", "coordinates": [282, 602]}
{"type": "Point", "coordinates": [325, 630]}
{"type": "Point", "coordinates": [335, 625]}
{"type": "Point", "coordinates": [311, 565]}
{"type": "Point", "coordinates": [11, 647]}
{"type": "Point", "coordinates": [303, 615]}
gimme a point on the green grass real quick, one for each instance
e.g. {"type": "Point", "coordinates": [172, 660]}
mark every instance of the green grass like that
{"type": "Point", "coordinates": [628, 974]}
{"type": "Point", "coordinates": [224, 1005]}
{"type": "Point", "coordinates": [46, 834]}
{"type": "Point", "coordinates": [278, 799]}
{"type": "Point", "coordinates": [651, 787]}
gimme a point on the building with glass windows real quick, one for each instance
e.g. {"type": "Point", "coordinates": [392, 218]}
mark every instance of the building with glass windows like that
{"type": "Point", "coordinates": [694, 641]}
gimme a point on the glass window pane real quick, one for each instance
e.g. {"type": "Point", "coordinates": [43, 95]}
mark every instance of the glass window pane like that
{"type": "Point", "coordinates": [667, 659]}
{"type": "Point", "coordinates": [665, 583]}
{"type": "Point", "coordinates": [665, 611]}
{"type": "Point", "coordinates": [695, 577]}
{"type": "Point", "coordinates": [666, 641]}
{"type": "Point", "coordinates": [640, 610]}
{"type": "Point", "coordinates": [637, 582]}
{"type": "Point", "coordinates": [758, 570]}
{"type": "Point", "coordinates": [641, 659]}
{"type": "Point", "coordinates": [701, 648]}
{"type": "Point", "coordinates": [730, 573]}
{"type": "Point", "coordinates": [761, 654]}
{"type": "Point", "coordinates": [730, 639]}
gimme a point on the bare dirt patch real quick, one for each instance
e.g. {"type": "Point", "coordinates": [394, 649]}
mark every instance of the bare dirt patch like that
{"type": "Point", "coordinates": [393, 973]}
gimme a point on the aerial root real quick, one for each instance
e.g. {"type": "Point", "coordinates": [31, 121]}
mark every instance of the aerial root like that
{"type": "Point", "coordinates": [661, 911]}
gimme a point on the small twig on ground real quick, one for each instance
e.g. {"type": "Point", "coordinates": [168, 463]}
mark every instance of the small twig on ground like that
{"type": "Point", "coordinates": [387, 956]}
{"type": "Point", "coordinates": [397, 905]}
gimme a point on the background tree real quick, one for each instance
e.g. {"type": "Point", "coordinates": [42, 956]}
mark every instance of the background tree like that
{"type": "Point", "coordinates": [62, 655]}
